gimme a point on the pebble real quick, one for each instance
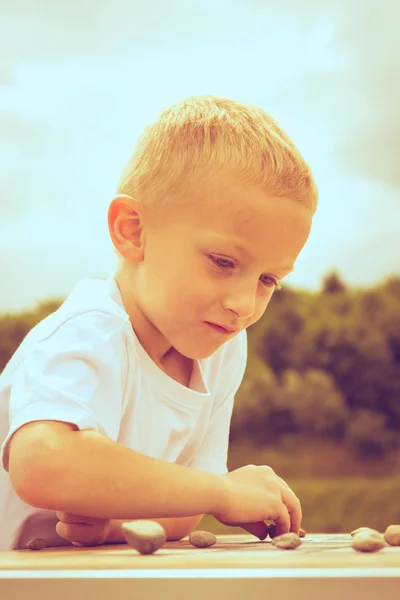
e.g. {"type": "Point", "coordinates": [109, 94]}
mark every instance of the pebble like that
{"type": "Point", "coordinates": [287, 541]}
{"type": "Point", "coordinates": [202, 539]}
{"type": "Point", "coordinates": [36, 544]}
{"type": "Point", "coordinates": [392, 535]}
{"type": "Point", "coordinates": [272, 531]}
{"type": "Point", "coordinates": [144, 536]}
{"type": "Point", "coordinates": [368, 541]}
{"type": "Point", "coordinates": [364, 530]}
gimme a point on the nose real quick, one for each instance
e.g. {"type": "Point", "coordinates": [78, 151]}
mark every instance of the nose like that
{"type": "Point", "coordinates": [241, 301]}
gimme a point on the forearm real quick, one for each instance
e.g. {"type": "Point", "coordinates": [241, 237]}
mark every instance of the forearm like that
{"type": "Point", "coordinates": [175, 529]}
{"type": "Point", "coordinates": [88, 474]}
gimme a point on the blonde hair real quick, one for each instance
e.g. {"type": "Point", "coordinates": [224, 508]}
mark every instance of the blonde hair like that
{"type": "Point", "coordinates": [206, 135]}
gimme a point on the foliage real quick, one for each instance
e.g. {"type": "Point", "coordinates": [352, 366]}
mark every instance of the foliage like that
{"type": "Point", "coordinates": [325, 365]}
{"type": "Point", "coordinates": [14, 327]}
{"type": "Point", "coordinates": [322, 366]}
{"type": "Point", "coordinates": [320, 400]}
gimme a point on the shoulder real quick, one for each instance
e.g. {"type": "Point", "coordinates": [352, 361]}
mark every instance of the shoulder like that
{"type": "Point", "coordinates": [91, 325]}
{"type": "Point", "coordinates": [91, 335]}
{"type": "Point", "coordinates": [95, 337]}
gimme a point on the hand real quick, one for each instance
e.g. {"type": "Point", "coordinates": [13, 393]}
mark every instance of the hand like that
{"type": "Point", "coordinates": [255, 494]}
{"type": "Point", "coordinates": [82, 531]}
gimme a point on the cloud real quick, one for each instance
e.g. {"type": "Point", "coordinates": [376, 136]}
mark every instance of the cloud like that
{"type": "Point", "coordinates": [55, 31]}
{"type": "Point", "coordinates": [356, 102]}
{"type": "Point", "coordinates": [86, 114]}
{"type": "Point", "coordinates": [81, 80]}
{"type": "Point", "coordinates": [371, 145]}
{"type": "Point", "coordinates": [16, 133]}
{"type": "Point", "coordinates": [353, 101]}
{"type": "Point", "coordinates": [103, 29]}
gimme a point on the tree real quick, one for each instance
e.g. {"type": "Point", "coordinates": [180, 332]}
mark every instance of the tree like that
{"type": "Point", "coordinates": [318, 409]}
{"type": "Point", "coordinates": [303, 404]}
{"type": "Point", "coordinates": [368, 434]}
{"type": "Point", "coordinates": [333, 284]}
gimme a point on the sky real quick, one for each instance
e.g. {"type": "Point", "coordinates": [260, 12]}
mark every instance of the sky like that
{"type": "Point", "coordinates": [80, 81]}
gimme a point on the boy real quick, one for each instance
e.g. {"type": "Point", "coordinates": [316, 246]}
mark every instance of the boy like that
{"type": "Point", "coordinates": [118, 405]}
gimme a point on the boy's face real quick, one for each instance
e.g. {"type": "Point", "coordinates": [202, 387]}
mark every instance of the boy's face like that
{"type": "Point", "coordinates": [193, 272]}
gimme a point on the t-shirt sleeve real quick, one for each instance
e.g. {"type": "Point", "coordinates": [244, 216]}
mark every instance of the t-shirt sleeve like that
{"type": "Point", "coordinates": [76, 375]}
{"type": "Point", "coordinates": [213, 453]}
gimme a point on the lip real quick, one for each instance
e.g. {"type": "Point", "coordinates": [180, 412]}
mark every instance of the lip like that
{"type": "Point", "coordinates": [222, 329]}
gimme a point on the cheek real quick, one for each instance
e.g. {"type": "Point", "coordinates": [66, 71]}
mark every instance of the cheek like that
{"type": "Point", "coordinates": [262, 306]}
{"type": "Point", "coordinates": [192, 291]}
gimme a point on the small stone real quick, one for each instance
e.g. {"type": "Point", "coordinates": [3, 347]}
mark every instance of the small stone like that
{"type": "Point", "coordinates": [302, 533]}
{"type": "Point", "coordinates": [392, 535]}
{"type": "Point", "coordinates": [202, 539]}
{"type": "Point", "coordinates": [144, 536]}
{"type": "Point", "coordinates": [364, 530]}
{"type": "Point", "coordinates": [272, 530]}
{"type": "Point", "coordinates": [367, 541]}
{"type": "Point", "coordinates": [287, 541]}
{"type": "Point", "coordinates": [36, 544]}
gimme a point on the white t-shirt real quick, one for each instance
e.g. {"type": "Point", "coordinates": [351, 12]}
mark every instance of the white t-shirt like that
{"type": "Point", "coordinates": [83, 364]}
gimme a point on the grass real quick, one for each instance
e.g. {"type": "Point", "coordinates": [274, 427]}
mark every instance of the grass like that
{"type": "Point", "coordinates": [337, 505]}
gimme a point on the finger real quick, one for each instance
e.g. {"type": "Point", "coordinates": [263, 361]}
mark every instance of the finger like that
{"type": "Point", "coordinates": [83, 534]}
{"type": "Point", "coordinates": [259, 529]}
{"type": "Point", "coordinates": [283, 482]}
{"type": "Point", "coordinates": [292, 503]}
{"type": "Point", "coordinates": [282, 520]}
{"type": "Point", "coordinates": [293, 506]}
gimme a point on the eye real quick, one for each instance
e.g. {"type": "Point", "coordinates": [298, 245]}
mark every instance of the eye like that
{"type": "Point", "coordinates": [270, 281]}
{"type": "Point", "coordinates": [218, 261]}
{"type": "Point", "coordinates": [224, 263]}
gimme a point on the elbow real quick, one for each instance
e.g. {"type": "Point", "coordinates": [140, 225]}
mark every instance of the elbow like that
{"type": "Point", "coordinates": [31, 479]}
{"type": "Point", "coordinates": [31, 484]}
{"type": "Point", "coordinates": [32, 488]}
{"type": "Point", "coordinates": [34, 463]}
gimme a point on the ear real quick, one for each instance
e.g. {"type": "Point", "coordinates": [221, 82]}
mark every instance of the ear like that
{"type": "Point", "coordinates": [126, 228]}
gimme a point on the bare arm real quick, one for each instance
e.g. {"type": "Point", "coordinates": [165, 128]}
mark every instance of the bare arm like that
{"type": "Point", "coordinates": [85, 473]}
{"type": "Point", "coordinates": [176, 529]}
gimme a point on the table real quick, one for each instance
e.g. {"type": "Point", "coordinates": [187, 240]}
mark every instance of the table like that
{"type": "Point", "coordinates": [238, 566]}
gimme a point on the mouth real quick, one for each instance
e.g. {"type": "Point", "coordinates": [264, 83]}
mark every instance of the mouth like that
{"type": "Point", "coordinates": [221, 329]}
